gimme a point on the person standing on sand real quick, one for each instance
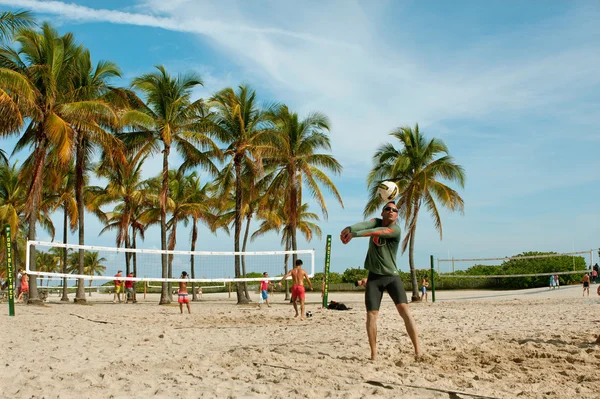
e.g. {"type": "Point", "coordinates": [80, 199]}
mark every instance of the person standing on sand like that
{"type": "Point", "coordinates": [586, 284]}
{"type": "Point", "coordinates": [18, 282]}
{"type": "Point", "coordinates": [118, 286]}
{"type": "Point", "coordinates": [182, 294]}
{"type": "Point", "coordinates": [384, 240]}
{"type": "Point", "coordinates": [298, 275]}
{"type": "Point", "coordinates": [424, 286]}
{"type": "Point", "coordinates": [24, 286]}
{"type": "Point", "coordinates": [264, 290]}
{"type": "Point", "coordinates": [129, 289]}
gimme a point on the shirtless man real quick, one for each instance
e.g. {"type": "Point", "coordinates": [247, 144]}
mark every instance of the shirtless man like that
{"type": "Point", "coordinates": [298, 275]}
{"type": "Point", "coordinates": [586, 284]}
{"type": "Point", "coordinates": [182, 296]}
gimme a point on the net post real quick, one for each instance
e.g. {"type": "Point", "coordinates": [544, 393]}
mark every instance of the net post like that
{"type": "Point", "coordinates": [432, 280]}
{"type": "Point", "coordinates": [325, 288]}
{"type": "Point", "coordinates": [9, 272]}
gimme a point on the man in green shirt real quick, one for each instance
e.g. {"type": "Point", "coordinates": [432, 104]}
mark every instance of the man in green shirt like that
{"type": "Point", "coordinates": [384, 239]}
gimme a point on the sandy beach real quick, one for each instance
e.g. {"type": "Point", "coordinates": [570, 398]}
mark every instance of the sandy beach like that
{"type": "Point", "coordinates": [524, 344]}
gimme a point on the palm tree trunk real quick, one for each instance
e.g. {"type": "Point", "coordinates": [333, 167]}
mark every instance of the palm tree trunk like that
{"type": "Point", "coordinates": [63, 259]}
{"type": "Point", "coordinates": [127, 261]}
{"type": "Point", "coordinates": [134, 246]}
{"type": "Point", "coordinates": [238, 226]}
{"type": "Point", "coordinates": [285, 269]}
{"type": "Point", "coordinates": [171, 245]}
{"type": "Point", "coordinates": [192, 249]}
{"type": "Point", "coordinates": [35, 192]}
{"type": "Point", "coordinates": [164, 294]}
{"type": "Point", "coordinates": [127, 256]}
{"type": "Point", "coordinates": [80, 296]}
{"type": "Point", "coordinates": [248, 219]}
{"type": "Point", "coordinates": [411, 260]}
{"type": "Point", "coordinates": [293, 213]}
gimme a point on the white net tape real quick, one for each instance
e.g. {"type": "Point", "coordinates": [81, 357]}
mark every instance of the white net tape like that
{"type": "Point", "coordinates": [102, 263]}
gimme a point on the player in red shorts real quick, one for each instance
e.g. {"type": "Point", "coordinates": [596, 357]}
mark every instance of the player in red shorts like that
{"type": "Point", "coordinates": [183, 294]}
{"type": "Point", "coordinates": [298, 275]}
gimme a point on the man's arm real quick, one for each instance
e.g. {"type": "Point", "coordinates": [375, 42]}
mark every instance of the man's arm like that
{"type": "Point", "coordinates": [286, 276]}
{"type": "Point", "coordinates": [308, 279]}
{"type": "Point", "coordinates": [392, 231]}
{"type": "Point", "coordinates": [347, 234]}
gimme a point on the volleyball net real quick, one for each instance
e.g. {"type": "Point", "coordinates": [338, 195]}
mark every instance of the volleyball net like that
{"type": "Point", "coordinates": [101, 264]}
{"type": "Point", "coordinates": [527, 270]}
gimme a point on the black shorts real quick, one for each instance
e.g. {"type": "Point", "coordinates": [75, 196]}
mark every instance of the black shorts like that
{"type": "Point", "coordinates": [378, 283]}
{"type": "Point", "coordinates": [586, 284]}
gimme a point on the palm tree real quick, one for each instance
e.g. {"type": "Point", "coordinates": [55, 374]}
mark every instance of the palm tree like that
{"type": "Point", "coordinates": [14, 87]}
{"type": "Point", "coordinates": [12, 207]}
{"type": "Point", "coordinates": [277, 220]}
{"type": "Point", "coordinates": [200, 209]}
{"type": "Point", "coordinates": [93, 265]}
{"type": "Point", "coordinates": [295, 161]}
{"type": "Point", "coordinates": [90, 85]}
{"type": "Point", "coordinates": [12, 212]}
{"type": "Point", "coordinates": [11, 22]}
{"type": "Point", "coordinates": [46, 262]}
{"type": "Point", "coordinates": [126, 188]}
{"type": "Point", "coordinates": [61, 256]}
{"type": "Point", "coordinates": [252, 194]}
{"type": "Point", "coordinates": [187, 199]}
{"type": "Point", "coordinates": [62, 184]}
{"type": "Point", "coordinates": [172, 119]}
{"type": "Point", "coordinates": [38, 79]}
{"type": "Point", "coordinates": [241, 126]}
{"type": "Point", "coordinates": [417, 167]}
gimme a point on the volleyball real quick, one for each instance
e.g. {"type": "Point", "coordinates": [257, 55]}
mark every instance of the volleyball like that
{"type": "Point", "coordinates": [387, 190]}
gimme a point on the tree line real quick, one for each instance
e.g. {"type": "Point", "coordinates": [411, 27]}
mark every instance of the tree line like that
{"type": "Point", "coordinates": [264, 162]}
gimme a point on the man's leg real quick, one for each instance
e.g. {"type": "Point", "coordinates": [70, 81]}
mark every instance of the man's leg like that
{"type": "Point", "coordinates": [302, 309]}
{"type": "Point", "coordinates": [295, 306]}
{"type": "Point", "coordinates": [372, 331]}
{"type": "Point", "coordinates": [411, 327]}
{"type": "Point", "coordinates": [188, 307]}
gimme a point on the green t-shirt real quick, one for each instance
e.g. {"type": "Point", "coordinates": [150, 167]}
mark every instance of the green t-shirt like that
{"type": "Point", "coordinates": [383, 245]}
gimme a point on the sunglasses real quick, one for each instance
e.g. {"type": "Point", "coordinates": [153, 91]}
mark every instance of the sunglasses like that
{"type": "Point", "coordinates": [389, 208]}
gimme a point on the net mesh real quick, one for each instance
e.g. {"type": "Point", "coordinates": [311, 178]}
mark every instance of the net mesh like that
{"type": "Point", "coordinates": [102, 263]}
{"type": "Point", "coordinates": [528, 270]}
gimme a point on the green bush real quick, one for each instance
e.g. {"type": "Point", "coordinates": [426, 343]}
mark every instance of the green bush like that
{"type": "Point", "coordinates": [354, 274]}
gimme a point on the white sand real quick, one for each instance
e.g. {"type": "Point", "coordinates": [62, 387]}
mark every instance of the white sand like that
{"type": "Point", "coordinates": [526, 344]}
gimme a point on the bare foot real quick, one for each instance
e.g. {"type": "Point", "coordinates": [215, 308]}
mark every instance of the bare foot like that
{"type": "Point", "coordinates": [302, 319]}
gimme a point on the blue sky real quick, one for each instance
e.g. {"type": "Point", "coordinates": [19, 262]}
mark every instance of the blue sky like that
{"type": "Point", "coordinates": [511, 87]}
